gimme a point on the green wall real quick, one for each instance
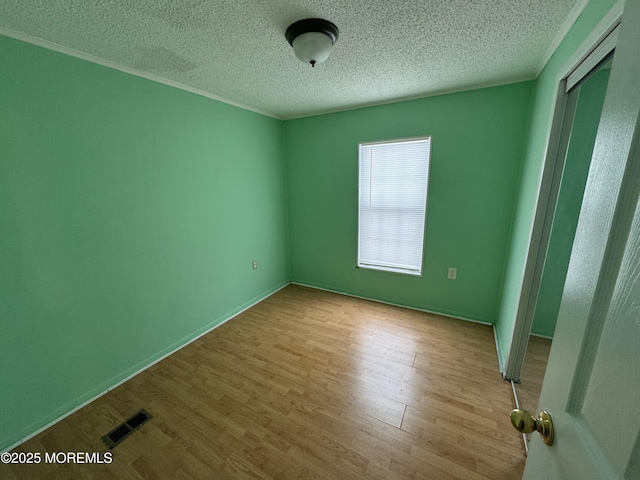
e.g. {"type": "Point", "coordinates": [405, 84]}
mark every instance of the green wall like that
{"type": "Point", "coordinates": [130, 213]}
{"type": "Point", "coordinates": [544, 91]}
{"type": "Point", "coordinates": [574, 178]}
{"type": "Point", "coordinates": [478, 138]}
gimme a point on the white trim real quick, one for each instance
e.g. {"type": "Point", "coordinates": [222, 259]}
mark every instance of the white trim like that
{"type": "Point", "coordinates": [117, 384]}
{"type": "Point", "coordinates": [554, 125]}
{"type": "Point", "coordinates": [564, 29]}
{"type": "Point", "coordinates": [604, 27]}
{"type": "Point", "coordinates": [546, 196]}
{"type": "Point", "coordinates": [122, 68]}
{"type": "Point", "coordinates": [525, 439]}
{"type": "Point", "coordinates": [515, 394]}
{"type": "Point", "coordinates": [603, 49]}
{"type": "Point", "coordinates": [392, 304]}
{"type": "Point", "coordinates": [539, 335]}
{"type": "Point", "coordinates": [384, 268]}
{"type": "Point", "coordinates": [495, 339]}
{"type": "Point", "coordinates": [397, 140]}
{"type": "Point", "coordinates": [419, 96]}
{"type": "Point", "coordinates": [7, 32]}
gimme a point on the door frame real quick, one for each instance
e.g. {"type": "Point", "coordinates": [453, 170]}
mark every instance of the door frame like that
{"type": "Point", "coordinates": [548, 189]}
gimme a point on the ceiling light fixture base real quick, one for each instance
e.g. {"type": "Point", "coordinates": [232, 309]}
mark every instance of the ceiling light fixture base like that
{"type": "Point", "coordinates": [312, 39]}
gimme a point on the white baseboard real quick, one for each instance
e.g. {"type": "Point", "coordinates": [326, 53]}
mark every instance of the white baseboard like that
{"type": "Point", "coordinates": [525, 439]}
{"type": "Point", "coordinates": [495, 338]}
{"type": "Point", "coordinates": [392, 304]}
{"type": "Point", "coordinates": [137, 372]}
{"type": "Point", "coordinates": [493, 327]}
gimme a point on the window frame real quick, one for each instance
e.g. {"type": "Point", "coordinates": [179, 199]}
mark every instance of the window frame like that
{"type": "Point", "coordinates": [383, 268]}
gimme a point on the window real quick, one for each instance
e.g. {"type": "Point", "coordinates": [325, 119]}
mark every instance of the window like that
{"type": "Point", "coordinates": [394, 178]}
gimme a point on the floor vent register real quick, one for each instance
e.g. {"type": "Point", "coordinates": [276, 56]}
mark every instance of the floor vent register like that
{"type": "Point", "coordinates": [122, 431]}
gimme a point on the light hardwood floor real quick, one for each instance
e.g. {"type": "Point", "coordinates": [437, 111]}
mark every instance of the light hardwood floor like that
{"type": "Point", "coordinates": [307, 384]}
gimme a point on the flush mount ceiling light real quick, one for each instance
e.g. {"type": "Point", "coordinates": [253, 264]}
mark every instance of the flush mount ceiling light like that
{"type": "Point", "coordinates": [312, 39]}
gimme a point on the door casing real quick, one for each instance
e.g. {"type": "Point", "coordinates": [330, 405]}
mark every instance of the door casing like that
{"type": "Point", "coordinates": [548, 194]}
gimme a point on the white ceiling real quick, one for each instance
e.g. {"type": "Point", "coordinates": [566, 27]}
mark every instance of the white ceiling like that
{"type": "Point", "coordinates": [235, 50]}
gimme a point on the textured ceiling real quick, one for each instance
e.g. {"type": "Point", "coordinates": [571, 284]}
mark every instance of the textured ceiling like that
{"type": "Point", "coordinates": [236, 50]}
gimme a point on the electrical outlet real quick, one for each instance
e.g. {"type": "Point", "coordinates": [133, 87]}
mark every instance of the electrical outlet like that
{"type": "Point", "coordinates": [453, 273]}
{"type": "Point", "coordinates": [254, 264]}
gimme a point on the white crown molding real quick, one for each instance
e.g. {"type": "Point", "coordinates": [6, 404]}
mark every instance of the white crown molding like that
{"type": "Point", "coordinates": [7, 32]}
{"type": "Point", "coordinates": [566, 26]}
{"type": "Point", "coordinates": [419, 96]}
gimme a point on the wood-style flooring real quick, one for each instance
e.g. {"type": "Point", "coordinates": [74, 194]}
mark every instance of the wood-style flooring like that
{"type": "Point", "coordinates": [532, 372]}
{"type": "Point", "coordinates": [306, 384]}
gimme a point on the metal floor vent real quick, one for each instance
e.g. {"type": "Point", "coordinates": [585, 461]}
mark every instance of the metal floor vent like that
{"type": "Point", "coordinates": [122, 431]}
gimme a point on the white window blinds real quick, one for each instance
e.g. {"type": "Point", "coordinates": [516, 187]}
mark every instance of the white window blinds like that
{"type": "Point", "coordinates": [394, 178]}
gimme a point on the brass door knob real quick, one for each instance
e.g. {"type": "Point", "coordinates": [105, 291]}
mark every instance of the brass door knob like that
{"type": "Point", "coordinates": [524, 422]}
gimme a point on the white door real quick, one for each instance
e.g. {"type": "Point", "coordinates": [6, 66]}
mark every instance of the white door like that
{"type": "Point", "coordinates": [592, 383]}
